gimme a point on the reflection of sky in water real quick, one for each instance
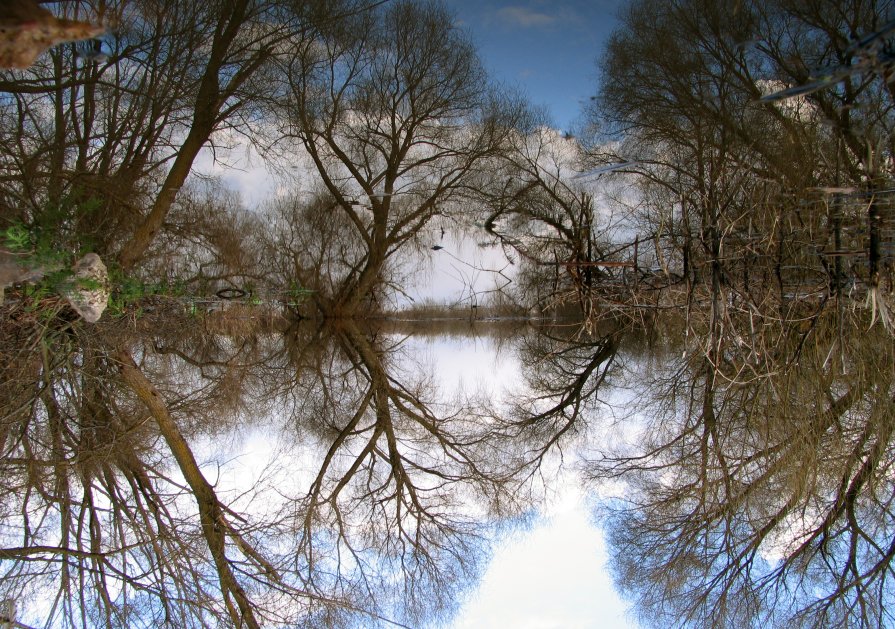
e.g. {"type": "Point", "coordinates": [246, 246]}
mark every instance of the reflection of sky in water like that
{"type": "Point", "coordinates": [466, 363]}
{"type": "Point", "coordinates": [553, 575]}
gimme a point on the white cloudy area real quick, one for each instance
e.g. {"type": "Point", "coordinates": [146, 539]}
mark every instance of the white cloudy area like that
{"type": "Point", "coordinates": [553, 575]}
{"type": "Point", "coordinates": [465, 271]}
{"type": "Point", "coordinates": [239, 166]}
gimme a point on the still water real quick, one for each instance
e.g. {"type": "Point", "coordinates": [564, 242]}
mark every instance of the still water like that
{"type": "Point", "coordinates": [160, 471]}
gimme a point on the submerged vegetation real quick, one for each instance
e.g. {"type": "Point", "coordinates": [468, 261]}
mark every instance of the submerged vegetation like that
{"type": "Point", "coordinates": [718, 242]}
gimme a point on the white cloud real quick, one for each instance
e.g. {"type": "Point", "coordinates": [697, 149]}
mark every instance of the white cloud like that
{"type": "Point", "coordinates": [524, 17]}
{"type": "Point", "coordinates": [552, 577]}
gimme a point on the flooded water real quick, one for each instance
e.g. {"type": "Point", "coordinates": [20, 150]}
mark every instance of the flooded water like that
{"type": "Point", "coordinates": [368, 474]}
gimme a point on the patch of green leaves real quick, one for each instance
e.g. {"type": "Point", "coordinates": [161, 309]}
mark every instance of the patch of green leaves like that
{"type": "Point", "coordinates": [296, 294]}
{"type": "Point", "coordinates": [16, 238]}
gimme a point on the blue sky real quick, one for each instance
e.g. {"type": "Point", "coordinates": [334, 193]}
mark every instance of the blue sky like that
{"type": "Point", "coordinates": [547, 48]}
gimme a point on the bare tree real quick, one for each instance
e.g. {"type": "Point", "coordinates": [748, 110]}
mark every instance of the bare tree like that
{"type": "Point", "coordinates": [393, 513]}
{"type": "Point", "coordinates": [727, 155]}
{"type": "Point", "coordinates": [395, 111]}
{"type": "Point", "coordinates": [211, 241]}
{"type": "Point", "coordinates": [94, 520]}
{"type": "Point", "coordinates": [314, 245]}
{"type": "Point", "coordinates": [98, 137]}
{"type": "Point", "coordinates": [535, 212]}
{"type": "Point", "coordinates": [757, 492]}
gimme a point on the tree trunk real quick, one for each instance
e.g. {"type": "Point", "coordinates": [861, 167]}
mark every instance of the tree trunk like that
{"type": "Point", "coordinates": [211, 514]}
{"type": "Point", "coordinates": [206, 111]}
{"type": "Point", "coordinates": [136, 247]}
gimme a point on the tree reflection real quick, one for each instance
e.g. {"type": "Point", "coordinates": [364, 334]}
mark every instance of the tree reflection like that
{"type": "Point", "coordinates": [117, 510]}
{"type": "Point", "coordinates": [565, 371]}
{"type": "Point", "coordinates": [396, 506]}
{"type": "Point", "coordinates": [757, 485]}
{"type": "Point", "coordinates": [99, 527]}
{"type": "Point", "coordinates": [764, 499]}
{"type": "Point", "coordinates": [82, 502]}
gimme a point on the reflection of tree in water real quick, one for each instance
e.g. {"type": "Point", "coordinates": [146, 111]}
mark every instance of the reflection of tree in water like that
{"type": "Point", "coordinates": [395, 510]}
{"type": "Point", "coordinates": [565, 371]}
{"type": "Point", "coordinates": [757, 483]}
{"type": "Point", "coordinates": [99, 527]}
{"type": "Point", "coordinates": [761, 499]}
{"type": "Point", "coordinates": [111, 516]}
{"type": "Point", "coordinates": [758, 491]}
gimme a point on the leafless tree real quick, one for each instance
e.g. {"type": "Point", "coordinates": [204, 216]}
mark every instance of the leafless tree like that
{"type": "Point", "coordinates": [98, 137]}
{"type": "Point", "coordinates": [759, 501]}
{"type": "Point", "coordinates": [393, 511]}
{"type": "Point", "coordinates": [396, 113]}
{"type": "Point", "coordinates": [732, 163]}
{"type": "Point", "coordinates": [535, 209]}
